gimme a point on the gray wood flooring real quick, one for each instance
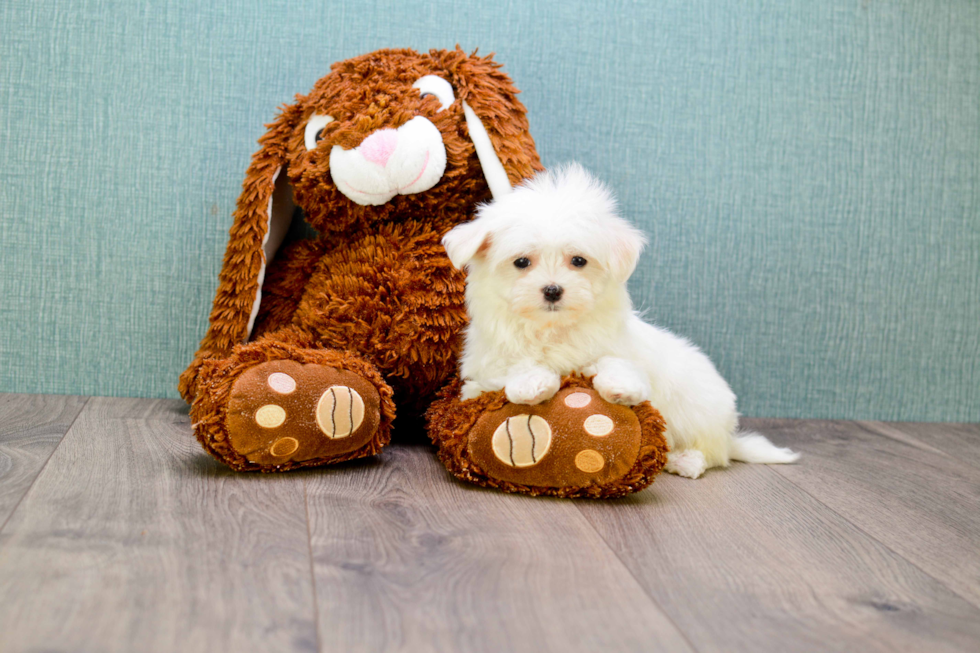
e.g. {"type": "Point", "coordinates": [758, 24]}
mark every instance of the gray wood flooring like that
{"type": "Point", "coordinates": [118, 533]}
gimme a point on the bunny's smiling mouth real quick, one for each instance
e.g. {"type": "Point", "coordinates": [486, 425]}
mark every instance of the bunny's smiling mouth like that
{"type": "Point", "coordinates": [425, 165]}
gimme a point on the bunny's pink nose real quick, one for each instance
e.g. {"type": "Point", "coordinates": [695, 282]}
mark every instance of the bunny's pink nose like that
{"type": "Point", "coordinates": [378, 147]}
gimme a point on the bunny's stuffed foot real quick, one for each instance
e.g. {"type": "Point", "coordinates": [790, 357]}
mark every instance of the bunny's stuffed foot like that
{"type": "Point", "coordinates": [284, 412]}
{"type": "Point", "coordinates": [574, 445]}
{"type": "Point", "coordinates": [278, 414]}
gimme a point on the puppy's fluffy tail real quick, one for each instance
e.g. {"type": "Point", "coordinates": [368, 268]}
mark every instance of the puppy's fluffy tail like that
{"type": "Point", "coordinates": [751, 447]}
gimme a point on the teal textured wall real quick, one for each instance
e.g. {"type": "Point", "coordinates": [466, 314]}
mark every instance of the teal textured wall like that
{"type": "Point", "coordinates": [809, 174]}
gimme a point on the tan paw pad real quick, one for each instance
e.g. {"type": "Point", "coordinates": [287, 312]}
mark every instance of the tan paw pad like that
{"type": "Point", "coordinates": [589, 461]}
{"type": "Point", "coordinates": [270, 416]}
{"type": "Point", "coordinates": [284, 447]}
{"type": "Point", "coordinates": [281, 383]}
{"type": "Point", "coordinates": [598, 425]}
{"type": "Point", "coordinates": [522, 440]}
{"type": "Point", "coordinates": [578, 400]}
{"type": "Point", "coordinates": [339, 412]}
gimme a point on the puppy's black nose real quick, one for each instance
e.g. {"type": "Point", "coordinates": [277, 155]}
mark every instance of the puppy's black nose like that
{"type": "Point", "coordinates": [552, 293]}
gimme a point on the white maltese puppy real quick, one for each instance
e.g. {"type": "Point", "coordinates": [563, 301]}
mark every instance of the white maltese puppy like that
{"type": "Point", "coordinates": [546, 292]}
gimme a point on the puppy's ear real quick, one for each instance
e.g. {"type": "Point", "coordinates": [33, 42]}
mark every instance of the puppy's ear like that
{"type": "Point", "coordinates": [261, 219]}
{"type": "Point", "coordinates": [626, 244]}
{"type": "Point", "coordinates": [464, 242]}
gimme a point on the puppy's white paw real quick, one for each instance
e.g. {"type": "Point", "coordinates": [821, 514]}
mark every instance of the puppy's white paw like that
{"type": "Point", "coordinates": [532, 387]}
{"type": "Point", "coordinates": [471, 390]}
{"type": "Point", "coordinates": [622, 389]}
{"type": "Point", "coordinates": [689, 463]}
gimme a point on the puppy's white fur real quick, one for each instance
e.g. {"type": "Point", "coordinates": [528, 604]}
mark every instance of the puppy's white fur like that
{"type": "Point", "coordinates": [519, 341]}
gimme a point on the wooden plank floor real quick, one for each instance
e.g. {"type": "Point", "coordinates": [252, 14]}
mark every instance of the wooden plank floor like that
{"type": "Point", "coordinates": [118, 533]}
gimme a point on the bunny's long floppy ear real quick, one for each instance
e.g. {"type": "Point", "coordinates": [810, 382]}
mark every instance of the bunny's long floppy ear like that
{"type": "Point", "coordinates": [495, 117]}
{"type": "Point", "coordinates": [261, 220]}
{"type": "Point", "coordinates": [493, 169]}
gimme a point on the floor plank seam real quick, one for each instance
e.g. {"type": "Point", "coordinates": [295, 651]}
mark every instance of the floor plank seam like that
{"type": "Point", "coordinates": [44, 466]}
{"type": "Point", "coordinates": [643, 589]}
{"type": "Point", "coordinates": [772, 469]}
{"type": "Point", "coordinates": [919, 444]}
{"type": "Point", "coordinates": [309, 546]}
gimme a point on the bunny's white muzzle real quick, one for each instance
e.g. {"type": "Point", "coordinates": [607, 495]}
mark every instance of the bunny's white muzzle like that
{"type": "Point", "coordinates": [389, 162]}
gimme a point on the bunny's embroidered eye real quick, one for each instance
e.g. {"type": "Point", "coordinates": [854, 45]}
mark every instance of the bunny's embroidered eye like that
{"type": "Point", "coordinates": [522, 263]}
{"type": "Point", "coordinates": [314, 129]}
{"type": "Point", "coordinates": [578, 261]}
{"type": "Point", "coordinates": [436, 87]}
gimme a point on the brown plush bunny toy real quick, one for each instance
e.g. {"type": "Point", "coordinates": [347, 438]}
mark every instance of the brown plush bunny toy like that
{"type": "Point", "coordinates": [305, 351]}
{"type": "Point", "coordinates": [309, 348]}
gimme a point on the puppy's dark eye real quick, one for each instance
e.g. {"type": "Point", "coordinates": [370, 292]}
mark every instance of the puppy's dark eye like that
{"type": "Point", "coordinates": [522, 262]}
{"type": "Point", "coordinates": [425, 95]}
{"type": "Point", "coordinates": [578, 261]}
{"type": "Point", "coordinates": [318, 136]}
